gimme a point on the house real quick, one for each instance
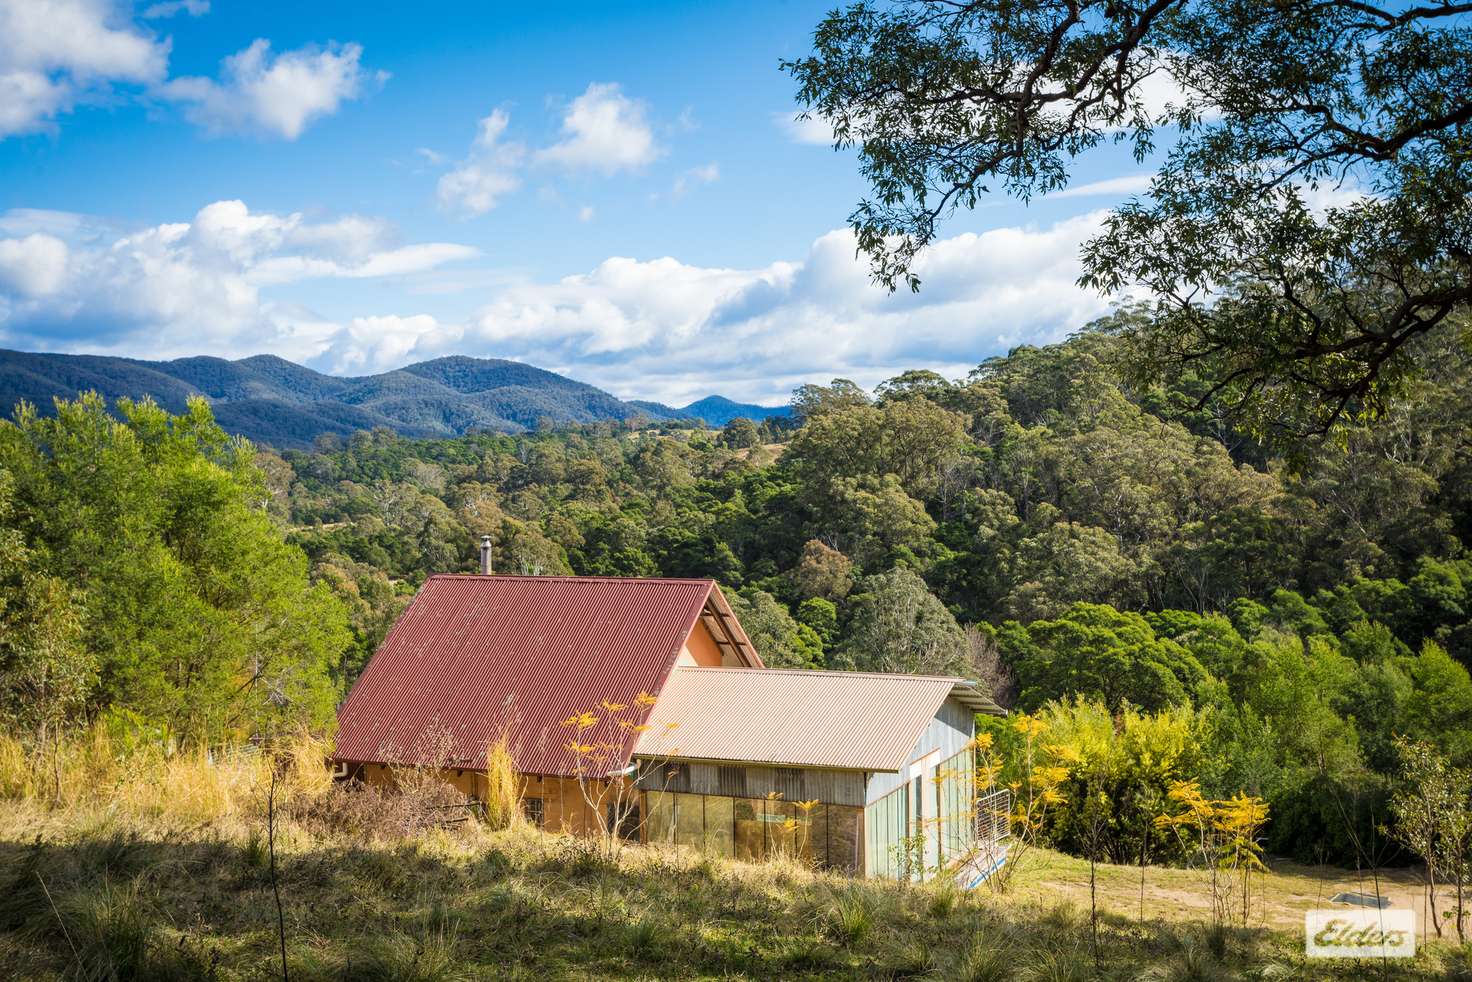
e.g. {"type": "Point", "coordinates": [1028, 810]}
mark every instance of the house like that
{"type": "Point", "coordinates": [641, 704]}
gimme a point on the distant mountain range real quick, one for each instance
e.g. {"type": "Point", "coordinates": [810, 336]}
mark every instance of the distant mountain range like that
{"type": "Point", "coordinates": [276, 402]}
{"type": "Point", "coordinates": [715, 410]}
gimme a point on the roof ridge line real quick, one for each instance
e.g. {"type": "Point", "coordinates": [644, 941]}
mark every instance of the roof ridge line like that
{"type": "Point", "coordinates": [569, 579]}
{"type": "Point", "coordinates": [824, 671]}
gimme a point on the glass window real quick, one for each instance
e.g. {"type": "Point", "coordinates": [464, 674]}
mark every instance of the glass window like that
{"type": "Point", "coordinates": [750, 841]}
{"type": "Point", "coordinates": [818, 834]}
{"type": "Point", "coordinates": [690, 820]}
{"type": "Point", "coordinates": [623, 817]}
{"type": "Point", "coordinates": [886, 824]}
{"type": "Point", "coordinates": [720, 818]}
{"type": "Point", "coordinates": [843, 837]}
{"type": "Point", "coordinates": [781, 823]}
{"type": "Point", "coordinates": [661, 824]}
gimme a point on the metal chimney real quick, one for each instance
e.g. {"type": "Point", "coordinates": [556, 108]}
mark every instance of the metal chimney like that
{"type": "Point", "coordinates": [485, 555]}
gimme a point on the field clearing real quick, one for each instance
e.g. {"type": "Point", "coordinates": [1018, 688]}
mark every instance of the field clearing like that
{"type": "Point", "coordinates": [1280, 897]}
{"type": "Point", "coordinates": [97, 890]}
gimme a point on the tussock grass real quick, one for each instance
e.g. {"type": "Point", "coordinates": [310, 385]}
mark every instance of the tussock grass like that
{"type": "Point", "coordinates": [503, 787]}
{"type": "Point", "coordinates": [116, 882]}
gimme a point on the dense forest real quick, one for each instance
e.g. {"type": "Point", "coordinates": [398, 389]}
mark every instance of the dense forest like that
{"type": "Point", "coordinates": [1134, 569]}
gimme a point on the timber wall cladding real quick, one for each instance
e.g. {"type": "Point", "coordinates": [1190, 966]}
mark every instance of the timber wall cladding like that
{"type": "Point", "coordinates": [565, 808]}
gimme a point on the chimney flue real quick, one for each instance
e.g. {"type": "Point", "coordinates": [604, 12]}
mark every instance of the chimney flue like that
{"type": "Point", "coordinates": [485, 555]}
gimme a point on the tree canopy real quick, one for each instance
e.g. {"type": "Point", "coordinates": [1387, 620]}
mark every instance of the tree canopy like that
{"type": "Point", "coordinates": [1310, 220]}
{"type": "Point", "coordinates": [151, 533]}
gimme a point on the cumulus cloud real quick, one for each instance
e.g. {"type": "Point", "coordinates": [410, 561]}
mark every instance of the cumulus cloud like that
{"type": "Point", "coordinates": [665, 329]}
{"type": "Point", "coordinates": [651, 328]}
{"type": "Point", "coordinates": [604, 130]}
{"type": "Point", "coordinates": [192, 287]}
{"type": "Point", "coordinates": [33, 266]}
{"type": "Point", "coordinates": [278, 95]}
{"type": "Point", "coordinates": [54, 53]}
{"type": "Point", "coordinates": [489, 173]}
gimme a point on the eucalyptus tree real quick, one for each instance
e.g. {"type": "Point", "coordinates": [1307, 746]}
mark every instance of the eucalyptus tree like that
{"type": "Point", "coordinates": [1309, 220]}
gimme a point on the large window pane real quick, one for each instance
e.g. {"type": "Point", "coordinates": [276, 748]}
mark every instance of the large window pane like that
{"type": "Point", "coordinates": [720, 816]}
{"type": "Point", "coordinates": [750, 842]}
{"type": "Point", "coordinates": [886, 825]}
{"type": "Point", "coordinates": [818, 834]}
{"type": "Point", "coordinates": [843, 837]}
{"type": "Point", "coordinates": [781, 829]}
{"type": "Point", "coordinates": [689, 820]}
{"type": "Point", "coordinates": [659, 826]}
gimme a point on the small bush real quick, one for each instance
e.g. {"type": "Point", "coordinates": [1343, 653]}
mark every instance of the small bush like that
{"type": "Point", "coordinates": [364, 810]}
{"type": "Point", "coordinates": [1057, 965]}
{"type": "Point", "coordinates": [643, 938]}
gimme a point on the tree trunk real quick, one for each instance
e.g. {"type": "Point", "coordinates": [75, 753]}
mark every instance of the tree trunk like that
{"type": "Point", "coordinates": [1431, 879]}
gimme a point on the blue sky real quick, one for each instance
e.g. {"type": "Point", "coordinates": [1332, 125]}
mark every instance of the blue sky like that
{"type": "Point", "coordinates": [614, 191]}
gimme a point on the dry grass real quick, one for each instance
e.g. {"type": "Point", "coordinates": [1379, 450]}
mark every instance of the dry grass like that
{"type": "Point", "coordinates": [156, 869]}
{"type": "Point", "coordinates": [502, 806]}
{"type": "Point", "coordinates": [1281, 896]}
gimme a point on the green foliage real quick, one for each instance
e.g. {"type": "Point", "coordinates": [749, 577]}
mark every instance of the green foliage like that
{"type": "Point", "coordinates": [1098, 652]}
{"type": "Point", "coordinates": [1296, 316]}
{"type": "Point", "coordinates": [781, 641]}
{"type": "Point", "coordinates": [1132, 760]}
{"type": "Point", "coordinates": [899, 626]}
{"type": "Point", "coordinates": [192, 607]}
{"type": "Point", "coordinates": [45, 670]}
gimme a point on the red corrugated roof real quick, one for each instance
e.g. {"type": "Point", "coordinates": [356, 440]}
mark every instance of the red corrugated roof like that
{"type": "Point", "coordinates": [475, 656]}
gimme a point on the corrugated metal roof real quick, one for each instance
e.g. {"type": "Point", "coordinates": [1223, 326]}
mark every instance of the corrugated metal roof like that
{"type": "Point", "coordinates": [474, 657]}
{"type": "Point", "coordinates": [856, 720]}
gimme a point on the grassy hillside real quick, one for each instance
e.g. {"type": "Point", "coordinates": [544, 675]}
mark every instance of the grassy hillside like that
{"type": "Point", "coordinates": [160, 869]}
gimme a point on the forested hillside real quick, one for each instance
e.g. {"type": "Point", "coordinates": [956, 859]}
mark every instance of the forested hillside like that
{"type": "Point", "coordinates": [275, 402]}
{"type": "Point", "coordinates": [1185, 601]}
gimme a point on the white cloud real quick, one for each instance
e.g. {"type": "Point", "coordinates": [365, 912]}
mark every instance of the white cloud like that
{"type": "Point", "coordinates": [168, 8]}
{"type": "Point", "coordinates": [278, 95]}
{"type": "Point", "coordinates": [586, 213]}
{"type": "Point", "coordinates": [705, 174]}
{"type": "Point", "coordinates": [652, 328]}
{"type": "Point", "coordinates": [479, 181]}
{"type": "Point", "coordinates": [674, 331]}
{"type": "Point", "coordinates": [200, 286]}
{"type": "Point", "coordinates": [1115, 186]}
{"type": "Point", "coordinates": [379, 343]}
{"type": "Point", "coordinates": [811, 129]}
{"type": "Point", "coordinates": [604, 130]}
{"type": "Point", "coordinates": [33, 266]}
{"type": "Point", "coordinates": [54, 53]}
